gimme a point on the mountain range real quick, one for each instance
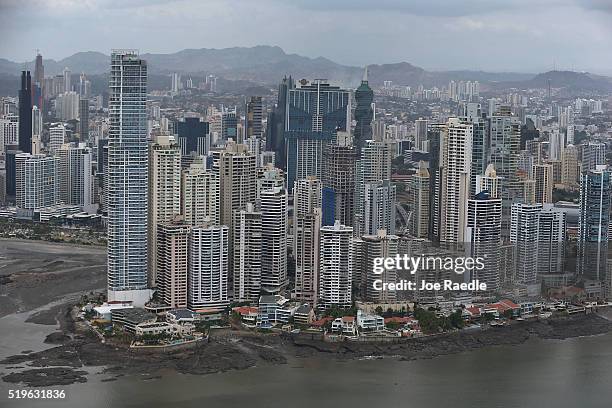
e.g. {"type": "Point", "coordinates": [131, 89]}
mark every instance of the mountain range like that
{"type": "Point", "coordinates": [268, 64]}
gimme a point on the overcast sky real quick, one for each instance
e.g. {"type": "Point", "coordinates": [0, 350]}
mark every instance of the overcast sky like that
{"type": "Point", "coordinates": [494, 35]}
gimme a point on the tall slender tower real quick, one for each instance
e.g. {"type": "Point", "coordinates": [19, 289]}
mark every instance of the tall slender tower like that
{"type": "Point", "coordinates": [127, 179]}
{"type": "Point", "coordinates": [364, 96]}
{"type": "Point", "coordinates": [25, 113]}
{"type": "Point", "coordinates": [164, 191]}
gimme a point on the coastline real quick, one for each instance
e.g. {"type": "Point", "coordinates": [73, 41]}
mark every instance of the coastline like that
{"type": "Point", "coordinates": [229, 350]}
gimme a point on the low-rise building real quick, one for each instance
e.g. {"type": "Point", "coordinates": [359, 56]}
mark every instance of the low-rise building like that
{"type": "Point", "coordinates": [345, 325]}
{"type": "Point", "coordinates": [130, 318]}
{"type": "Point", "coordinates": [304, 315]}
{"type": "Point", "coordinates": [369, 322]}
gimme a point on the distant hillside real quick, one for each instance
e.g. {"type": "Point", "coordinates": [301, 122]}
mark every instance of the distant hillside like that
{"type": "Point", "coordinates": [267, 65]}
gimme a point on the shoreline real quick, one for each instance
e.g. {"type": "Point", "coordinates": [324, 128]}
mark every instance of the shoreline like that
{"type": "Point", "coordinates": [228, 350]}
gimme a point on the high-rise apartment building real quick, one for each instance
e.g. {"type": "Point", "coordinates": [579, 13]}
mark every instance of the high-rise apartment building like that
{"type": "Point", "coordinates": [208, 277]}
{"type": "Point", "coordinates": [127, 181]}
{"type": "Point", "coordinates": [365, 250]}
{"type": "Point", "coordinates": [164, 190]}
{"type": "Point", "coordinates": [569, 166]}
{"type": "Point", "coordinates": [524, 236]}
{"type": "Point", "coordinates": [483, 237]}
{"type": "Point", "coordinates": [36, 181]}
{"type": "Point", "coordinates": [247, 253]}
{"type": "Point", "coordinates": [193, 136]}
{"type": "Point", "coordinates": [504, 150]}
{"type": "Point", "coordinates": [273, 205]}
{"type": "Point", "coordinates": [379, 207]}
{"type": "Point", "coordinates": [456, 160]}
{"type": "Point", "coordinates": [57, 137]}
{"type": "Point", "coordinates": [254, 118]}
{"type": "Point", "coordinates": [338, 184]}
{"type": "Point", "coordinates": [543, 176]}
{"type": "Point", "coordinates": [307, 220]}
{"type": "Point", "coordinates": [199, 195]}
{"type": "Point", "coordinates": [172, 245]}
{"type": "Point", "coordinates": [594, 222]}
{"type": "Point", "coordinates": [237, 179]}
{"type": "Point", "coordinates": [418, 201]}
{"type": "Point", "coordinates": [336, 266]}
{"type": "Point", "coordinates": [75, 175]}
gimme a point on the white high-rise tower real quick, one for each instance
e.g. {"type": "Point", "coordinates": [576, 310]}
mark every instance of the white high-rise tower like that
{"type": "Point", "coordinates": [127, 179]}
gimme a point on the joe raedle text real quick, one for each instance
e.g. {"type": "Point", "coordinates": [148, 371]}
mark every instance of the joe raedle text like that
{"type": "Point", "coordinates": [459, 265]}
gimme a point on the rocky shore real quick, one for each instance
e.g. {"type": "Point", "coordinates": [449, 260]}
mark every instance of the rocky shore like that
{"type": "Point", "coordinates": [229, 350]}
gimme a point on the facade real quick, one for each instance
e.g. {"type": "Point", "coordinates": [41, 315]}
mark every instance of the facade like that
{"type": "Point", "coordinates": [379, 207]}
{"type": "Point", "coordinates": [199, 195]}
{"type": "Point", "coordinates": [420, 133]}
{"type": "Point", "coordinates": [237, 179]}
{"type": "Point", "coordinates": [338, 184]}
{"type": "Point", "coordinates": [456, 160]}
{"type": "Point", "coordinates": [365, 250]}
{"type": "Point", "coordinates": [315, 113]}
{"type": "Point", "coordinates": [254, 118]}
{"type": "Point", "coordinates": [57, 137]}
{"type": "Point", "coordinates": [127, 180]}
{"type": "Point", "coordinates": [172, 244]}
{"type": "Point", "coordinates": [247, 250]}
{"type": "Point", "coordinates": [164, 191]}
{"type": "Point", "coordinates": [505, 139]}
{"type": "Point", "coordinates": [193, 136]}
{"type": "Point", "coordinates": [208, 267]}
{"type": "Point", "coordinates": [273, 204]}
{"type": "Point", "coordinates": [524, 236]}
{"type": "Point", "coordinates": [569, 166]}
{"type": "Point", "coordinates": [37, 181]}
{"type": "Point", "coordinates": [483, 237]}
{"type": "Point", "coordinates": [84, 119]}
{"type": "Point", "coordinates": [593, 228]}
{"type": "Point", "coordinates": [25, 113]}
{"type": "Point", "coordinates": [489, 182]}
{"type": "Point", "coordinates": [418, 200]}
{"type": "Point", "coordinates": [307, 221]}
{"type": "Point", "coordinates": [543, 176]}
{"type": "Point", "coordinates": [364, 114]}
{"type": "Point", "coordinates": [335, 266]}
{"type": "Point", "coordinates": [373, 166]}
{"type": "Point", "coordinates": [75, 175]}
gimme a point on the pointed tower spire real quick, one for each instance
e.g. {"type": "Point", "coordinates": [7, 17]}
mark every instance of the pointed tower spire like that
{"type": "Point", "coordinates": [365, 74]}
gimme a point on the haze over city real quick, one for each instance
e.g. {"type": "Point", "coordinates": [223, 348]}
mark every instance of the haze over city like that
{"type": "Point", "coordinates": [513, 35]}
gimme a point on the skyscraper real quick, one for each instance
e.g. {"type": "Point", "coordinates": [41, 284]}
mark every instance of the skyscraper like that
{"type": "Point", "coordinates": [75, 175]}
{"type": "Point", "coordinates": [127, 181]}
{"type": "Point", "coordinates": [379, 207]}
{"type": "Point", "coordinates": [543, 176]}
{"type": "Point", "coordinates": [193, 136]}
{"type": "Point", "coordinates": [164, 191]}
{"type": "Point", "coordinates": [505, 139]}
{"type": "Point", "coordinates": [338, 184]}
{"type": "Point", "coordinates": [273, 204]}
{"type": "Point", "coordinates": [306, 236]}
{"type": "Point", "coordinates": [25, 113]}
{"type": "Point", "coordinates": [420, 133]}
{"type": "Point", "coordinates": [208, 278]}
{"type": "Point", "coordinates": [316, 112]}
{"type": "Point", "coordinates": [172, 243]}
{"type": "Point", "coordinates": [418, 193]}
{"type": "Point", "coordinates": [483, 237]}
{"type": "Point", "coordinates": [373, 166]}
{"type": "Point", "coordinates": [199, 195]}
{"type": "Point", "coordinates": [36, 183]}
{"type": "Point", "coordinates": [237, 179]}
{"type": "Point", "coordinates": [595, 190]}
{"type": "Point", "coordinates": [456, 160]}
{"type": "Point", "coordinates": [365, 250]}
{"type": "Point", "coordinates": [254, 118]}
{"type": "Point", "coordinates": [524, 235]}
{"type": "Point", "coordinates": [84, 120]}
{"type": "Point", "coordinates": [247, 254]}
{"type": "Point", "coordinates": [364, 96]}
{"type": "Point", "coordinates": [336, 266]}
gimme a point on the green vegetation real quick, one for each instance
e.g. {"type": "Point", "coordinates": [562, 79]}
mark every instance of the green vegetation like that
{"type": "Point", "coordinates": [430, 323]}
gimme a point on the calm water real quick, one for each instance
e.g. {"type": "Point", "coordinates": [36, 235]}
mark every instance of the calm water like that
{"type": "Point", "coordinates": [571, 373]}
